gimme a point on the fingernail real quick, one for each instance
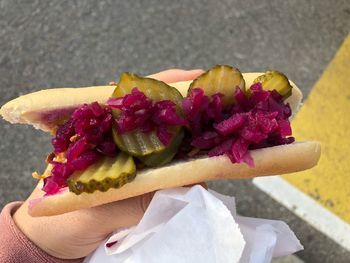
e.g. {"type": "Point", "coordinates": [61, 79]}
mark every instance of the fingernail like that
{"type": "Point", "coordinates": [197, 69]}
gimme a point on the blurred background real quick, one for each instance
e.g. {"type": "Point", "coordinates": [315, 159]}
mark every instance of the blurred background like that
{"type": "Point", "coordinates": [46, 44]}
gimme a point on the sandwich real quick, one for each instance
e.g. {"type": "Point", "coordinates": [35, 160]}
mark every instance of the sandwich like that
{"type": "Point", "coordinates": [140, 135]}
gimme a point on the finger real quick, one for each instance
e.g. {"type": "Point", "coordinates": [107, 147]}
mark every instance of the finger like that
{"type": "Point", "coordinates": [120, 214]}
{"type": "Point", "coordinates": [203, 184]}
{"type": "Point", "coordinates": [175, 75]}
{"type": "Point", "coordinates": [124, 213]}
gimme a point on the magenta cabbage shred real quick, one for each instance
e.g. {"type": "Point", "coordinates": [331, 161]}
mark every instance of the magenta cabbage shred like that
{"type": "Point", "coordinates": [256, 120]}
{"type": "Point", "coordinates": [84, 139]}
{"type": "Point", "coordinates": [138, 112]}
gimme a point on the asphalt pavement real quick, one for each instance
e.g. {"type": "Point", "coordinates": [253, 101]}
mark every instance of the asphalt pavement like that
{"type": "Point", "coordinates": [46, 44]}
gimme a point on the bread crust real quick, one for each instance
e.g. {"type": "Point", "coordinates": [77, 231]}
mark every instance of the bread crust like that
{"type": "Point", "coordinates": [27, 109]}
{"type": "Point", "coordinates": [268, 161]}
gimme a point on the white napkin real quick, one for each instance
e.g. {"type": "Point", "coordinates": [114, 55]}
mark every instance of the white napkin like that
{"type": "Point", "coordinates": [194, 225]}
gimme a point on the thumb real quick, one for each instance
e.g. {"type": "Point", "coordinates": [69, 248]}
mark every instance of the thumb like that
{"type": "Point", "coordinates": [120, 214]}
{"type": "Point", "coordinates": [175, 75]}
{"type": "Point", "coordinates": [124, 213]}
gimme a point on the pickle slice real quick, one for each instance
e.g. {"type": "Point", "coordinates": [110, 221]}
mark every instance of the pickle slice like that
{"type": "Point", "coordinates": [154, 89]}
{"type": "Point", "coordinates": [275, 80]}
{"type": "Point", "coordinates": [137, 143]}
{"type": "Point", "coordinates": [110, 172]}
{"type": "Point", "coordinates": [165, 156]}
{"type": "Point", "coordinates": [220, 78]}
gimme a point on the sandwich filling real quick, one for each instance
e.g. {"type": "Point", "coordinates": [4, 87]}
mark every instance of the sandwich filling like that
{"type": "Point", "coordinates": [255, 121]}
{"type": "Point", "coordinates": [202, 123]}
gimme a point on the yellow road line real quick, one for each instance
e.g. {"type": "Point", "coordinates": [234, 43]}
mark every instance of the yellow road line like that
{"type": "Point", "coordinates": [326, 117]}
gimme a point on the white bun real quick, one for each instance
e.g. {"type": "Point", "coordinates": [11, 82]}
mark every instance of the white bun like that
{"type": "Point", "coordinates": [268, 161]}
{"type": "Point", "coordinates": [28, 109]}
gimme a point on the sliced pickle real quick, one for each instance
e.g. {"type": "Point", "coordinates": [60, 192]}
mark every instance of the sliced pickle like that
{"type": "Point", "coordinates": [221, 78]}
{"type": "Point", "coordinates": [154, 89]}
{"type": "Point", "coordinates": [275, 80]}
{"type": "Point", "coordinates": [137, 143]}
{"type": "Point", "coordinates": [165, 156]}
{"type": "Point", "coordinates": [110, 172]}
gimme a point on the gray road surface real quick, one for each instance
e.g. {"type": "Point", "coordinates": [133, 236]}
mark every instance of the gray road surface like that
{"type": "Point", "coordinates": [46, 44]}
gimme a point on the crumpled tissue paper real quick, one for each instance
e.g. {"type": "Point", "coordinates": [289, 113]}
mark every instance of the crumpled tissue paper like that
{"type": "Point", "coordinates": [195, 225]}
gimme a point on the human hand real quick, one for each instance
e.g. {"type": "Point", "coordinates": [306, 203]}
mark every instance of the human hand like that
{"type": "Point", "coordinates": [76, 234]}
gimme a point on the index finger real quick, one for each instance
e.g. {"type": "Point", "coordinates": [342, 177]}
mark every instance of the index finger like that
{"type": "Point", "coordinates": [176, 75]}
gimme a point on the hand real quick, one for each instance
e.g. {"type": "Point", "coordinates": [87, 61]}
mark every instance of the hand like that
{"type": "Point", "coordinates": [76, 234]}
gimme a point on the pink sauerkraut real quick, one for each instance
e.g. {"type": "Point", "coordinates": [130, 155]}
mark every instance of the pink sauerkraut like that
{"type": "Point", "coordinates": [257, 119]}
{"type": "Point", "coordinates": [139, 112]}
{"type": "Point", "coordinates": [83, 139]}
